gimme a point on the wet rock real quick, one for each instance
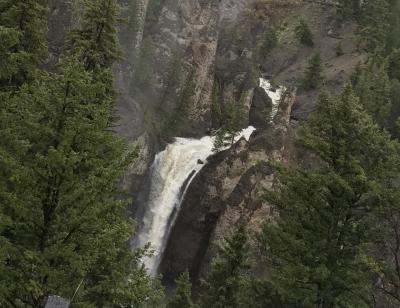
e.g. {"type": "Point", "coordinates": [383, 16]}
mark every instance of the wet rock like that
{"type": "Point", "coordinates": [260, 109]}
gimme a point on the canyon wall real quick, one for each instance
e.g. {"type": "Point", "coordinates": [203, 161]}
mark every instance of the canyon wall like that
{"type": "Point", "coordinates": [177, 52]}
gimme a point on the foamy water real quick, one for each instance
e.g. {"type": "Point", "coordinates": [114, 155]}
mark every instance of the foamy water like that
{"type": "Point", "coordinates": [274, 94]}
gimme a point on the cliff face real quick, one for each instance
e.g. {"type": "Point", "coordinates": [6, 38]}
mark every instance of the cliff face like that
{"type": "Point", "coordinates": [229, 188]}
{"type": "Point", "coordinates": [176, 54]}
{"type": "Point", "coordinates": [228, 191]}
{"type": "Point", "coordinates": [183, 39]}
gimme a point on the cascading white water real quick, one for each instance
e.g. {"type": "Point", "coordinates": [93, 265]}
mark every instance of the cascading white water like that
{"type": "Point", "coordinates": [275, 96]}
{"type": "Point", "coordinates": [172, 171]}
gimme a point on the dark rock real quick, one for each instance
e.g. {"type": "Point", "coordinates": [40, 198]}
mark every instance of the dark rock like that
{"type": "Point", "coordinates": [200, 162]}
{"type": "Point", "coordinates": [261, 107]}
{"type": "Point", "coordinates": [189, 238]}
{"type": "Point", "coordinates": [243, 190]}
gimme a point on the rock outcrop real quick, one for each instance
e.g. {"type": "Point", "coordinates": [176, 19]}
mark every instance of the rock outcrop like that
{"type": "Point", "coordinates": [260, 108]}
{"type": "Point", "coordinates": [225, 192]}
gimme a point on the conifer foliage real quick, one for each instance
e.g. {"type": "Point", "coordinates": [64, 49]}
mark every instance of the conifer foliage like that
{"type": "Point", "coordinates": [319, 246]}
{"type": "Point", "coordinates": [375, 25]}
{"type": "Point", "coordinates": [374, 89]}
{"type": "Point", "coordinates": [313, 75]}
{"type": "Point", "coordinates": [349, 9]}
{"type": "Point", "coordinates": [223, 284]}
{"type": "Point", "coordinates": [63, 231]}
{"type": "Point", "coordinates": [232, 121]}
{"type": "Point", "coordinates": [304, 33]}
{"type": "Point", "coordinates": [183, 293]}
{"type": "Point", "coordinates": [23, 40]}
{"type": "Point", "coordinates": [96, 40]}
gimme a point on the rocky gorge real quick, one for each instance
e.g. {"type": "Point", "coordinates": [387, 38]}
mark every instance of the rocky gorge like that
{"type": "Point", "coordinates": [178, 56]}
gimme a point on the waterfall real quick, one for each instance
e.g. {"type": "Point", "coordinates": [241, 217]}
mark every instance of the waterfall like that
{"type": "Point", "coordinates": [172, 172]}
{"type": "Point", "coordinates": [274, 95]}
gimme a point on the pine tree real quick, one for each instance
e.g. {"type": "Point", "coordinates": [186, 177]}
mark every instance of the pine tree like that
{"type": "Point", "coordinates": [374, 90]}
{"type": "Point", "coordinates": [182, 98]}
{"type": "Point", "coordinates": [233, 121]}
{"type": "Point", "coordinates": [349, 8]}
{"type": "Point", "coordinates": [223, 284]}
{"type": "Point", "coordinates": [144, 69]}
{"type": "Point", "coordinates": [387, 237]}
{"type": "Point", "coordinates": [304, 33]}
{"type": "Point", "coordinates": [393, 37]}
{"type": "Point", "coordinates": [173, 78]}
{"type": "Point", "coordinates": [95, 44]}
{"type": "Point", "coordinates": [315, 247]}
{"type": "Point", "coordinates": [67, 225]}
{"type": "Point", "coordinates": [183, 293]}
{"type": "Point", "coordinates": [343, 144]}
{"type": "Point", "coordinates": [394, 128]}
{"type": "Point", "coordinates": [220, 140]}
{"type": "Point", "coordinates": [131, 24]}
{"type": "Point", "coordinates": [216, 108]}
{"type": "Point", "coordinates": [394, 64]}
{"type": "Point", "coordinates": [23, 40]}
{"type": "Point", "coordinates": [375, 25]}
{"type": "Point", "coordinates": [313, 76]}
{"type": "Point", "coordinates": [96, 40]}
{"type": "Point", "coordinates": [320, 243]}
{"type": "Point", "coordinates": [259, 293]}
{"type": "Point", "coordinates": [63, 230]}
{"type": "Point", "coordinates": [269, 41]}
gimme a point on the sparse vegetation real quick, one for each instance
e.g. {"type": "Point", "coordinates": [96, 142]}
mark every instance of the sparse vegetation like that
{"type": "Point", "coordinates": [339, 50]}
{"type": "Point", "coordinates": [349, 9]}
{"type": "Point", "coordinates": [233, 120]}
{"type": "Point", "coordinates": [269, 41]}
{"type": "Point", "coordinates": [143, 68]}
{"type": "Point", "coordinates": [183, 99]}
{"type": "Point", "coordinates": [216, 107]}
